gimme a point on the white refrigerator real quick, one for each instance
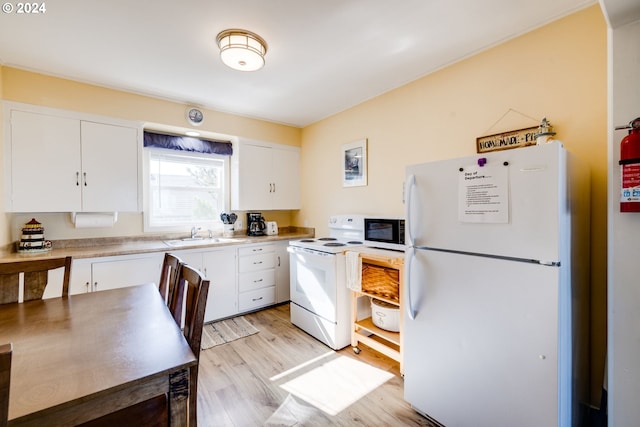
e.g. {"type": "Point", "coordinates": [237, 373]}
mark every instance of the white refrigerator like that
{"type": "Point", "coordinates": [497, 287]}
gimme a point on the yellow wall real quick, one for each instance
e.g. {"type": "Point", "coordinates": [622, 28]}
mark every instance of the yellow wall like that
{"type": "Point", "coordinates": [558, 71]}
{"type": "Point", "coordinates": [39, 89]}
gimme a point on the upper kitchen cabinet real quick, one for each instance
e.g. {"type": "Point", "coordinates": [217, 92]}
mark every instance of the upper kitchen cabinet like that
{"type": "Point", "coordinates": [265, 176]}
{"type": "Point", "coordinates": [58, 161]}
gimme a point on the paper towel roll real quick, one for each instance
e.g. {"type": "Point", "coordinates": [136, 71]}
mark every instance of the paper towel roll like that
{"type": "Point", "coordinates": [94, 220]}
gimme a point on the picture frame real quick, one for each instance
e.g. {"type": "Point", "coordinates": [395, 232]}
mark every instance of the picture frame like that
{"type": "Point", "coordinates": [354, 163]}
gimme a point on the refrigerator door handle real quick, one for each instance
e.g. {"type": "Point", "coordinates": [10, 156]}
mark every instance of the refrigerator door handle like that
{"type": "Point", "coordinates": [411, 182]}
{"type": "Point", "coordinates": [410, 311]}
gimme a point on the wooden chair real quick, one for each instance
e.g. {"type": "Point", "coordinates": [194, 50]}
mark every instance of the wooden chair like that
{"type": "Point", "coordinates": [6, 351]}
{"type": "Point", "coordinates": [36, 277]}
{"type": "Point", "coordinates": [169, 277]}
{"type": "Point", "coordinates": [196, 289]}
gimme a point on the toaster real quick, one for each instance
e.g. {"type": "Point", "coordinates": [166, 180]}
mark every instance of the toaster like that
{"type": "Point", "coordinates": [271, 228]}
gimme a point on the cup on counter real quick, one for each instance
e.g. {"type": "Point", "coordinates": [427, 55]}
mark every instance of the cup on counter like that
{"type": "Point", "coordinates": [227, 230]}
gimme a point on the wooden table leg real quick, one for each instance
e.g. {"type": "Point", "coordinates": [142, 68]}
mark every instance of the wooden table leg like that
{"type": "Point", "coordinates": [179, 398]}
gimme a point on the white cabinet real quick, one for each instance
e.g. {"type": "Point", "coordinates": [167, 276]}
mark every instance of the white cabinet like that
{"type": "Point", "coordinates": [266, 176]}
{"type": "Point", "coordinates": [99, 274]}
{"type": "Point", "coordinates": [123, 271]}
{"type": "Point", "coordinates": [59, 163]}
{"type": "Point", "coordinates": [80, 281]}
{"type": "Point", "coordinates": [256, 276]}
{"type": "Point", "coordinates": [282, 272]}
{"type": "Point", "coordinates": [219, 267]}
{"type": "Point", "coordinates": [109, 168]}
{"type": "Point", "coordinates": [286, 178]}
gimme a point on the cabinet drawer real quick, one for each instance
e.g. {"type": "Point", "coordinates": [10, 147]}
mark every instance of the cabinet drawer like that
{"type": "Point", "coordinates": [254, 250]}
{"type": "Point", "coordinates": [258, 298]}
{"type": "Point", "coordinates": [257, 279]}
{"type": "Point", "coordinates": [256, 262]}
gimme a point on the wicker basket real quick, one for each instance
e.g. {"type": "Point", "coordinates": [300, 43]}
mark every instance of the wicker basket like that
{"type": "Point", "coordinates": [381, 281]}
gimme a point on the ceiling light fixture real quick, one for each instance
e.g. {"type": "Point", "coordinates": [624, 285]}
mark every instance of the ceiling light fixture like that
{"type": "Point", "coordinates": [241, 49]}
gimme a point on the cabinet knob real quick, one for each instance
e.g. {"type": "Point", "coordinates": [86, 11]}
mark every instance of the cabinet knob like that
{"type": "Point", "coordinates": [256, 299]}
{"type": "Point", "coordinates": [84, 174]}
{"type": "Point", "coordinates": [77, 179]}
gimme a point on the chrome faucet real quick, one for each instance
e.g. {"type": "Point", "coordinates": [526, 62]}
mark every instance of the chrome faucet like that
{"type": "Point", "coordinates": [194, 231]}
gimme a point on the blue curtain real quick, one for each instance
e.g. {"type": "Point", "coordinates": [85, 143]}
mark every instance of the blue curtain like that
{"type": "Point", "coordinates": [187, 143]}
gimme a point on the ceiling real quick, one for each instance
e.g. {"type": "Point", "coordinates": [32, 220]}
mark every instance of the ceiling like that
{"type": "Point", "coordinates": [323, 56]}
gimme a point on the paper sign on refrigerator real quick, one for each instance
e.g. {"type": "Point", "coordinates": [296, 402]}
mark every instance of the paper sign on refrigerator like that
{"type": "Point", "coordinates": [483, 194]}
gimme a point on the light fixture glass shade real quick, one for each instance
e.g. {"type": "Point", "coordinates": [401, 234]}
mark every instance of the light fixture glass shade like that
{"type": "Point", "coordinates": [241, 50]}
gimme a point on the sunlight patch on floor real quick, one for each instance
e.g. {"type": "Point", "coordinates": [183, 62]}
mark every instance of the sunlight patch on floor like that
{"type": "Point", "coordinates": [336, 384]}
{"type": "Point", "coordinates": [293, 413]}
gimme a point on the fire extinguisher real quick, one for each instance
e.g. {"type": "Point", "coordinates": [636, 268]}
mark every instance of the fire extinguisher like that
{"type": "Point", "coordinates": [630, 168]}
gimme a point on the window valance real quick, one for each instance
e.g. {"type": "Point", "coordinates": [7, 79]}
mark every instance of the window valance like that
{"type": "Point", "coordinates": [187, 143]}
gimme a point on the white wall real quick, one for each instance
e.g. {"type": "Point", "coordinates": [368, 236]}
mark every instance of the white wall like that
{"type": "Point", "coordinates": [623, 228]}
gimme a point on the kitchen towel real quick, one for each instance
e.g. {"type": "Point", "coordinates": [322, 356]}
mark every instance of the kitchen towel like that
{"type": "Point", "coordinates": [353, 271]}
{"type": "Point", "coordinates": [225, 331]}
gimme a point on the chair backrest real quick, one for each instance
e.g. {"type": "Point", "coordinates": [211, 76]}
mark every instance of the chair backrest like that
{"type": "Point", "coordinates": [36, 277]}
{"type": "Point", "coordinates": [195, 302]}
{"type": "Point", "coordinates": [169, 276]}
{"type": "Point", "coordinates": [6, 351]}
{"type": "Point", "coordinates": [196, 289]}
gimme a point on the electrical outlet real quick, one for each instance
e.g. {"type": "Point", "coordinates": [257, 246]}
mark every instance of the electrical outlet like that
{"type": "Point", "coordinates": [238, 225]}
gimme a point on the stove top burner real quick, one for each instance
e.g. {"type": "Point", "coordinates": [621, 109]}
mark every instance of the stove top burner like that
{"type": "Point", "coordinates": [354, 242]}
{"type": "Point", "coordinates": [307, 240]}
{"type": "Point", "coordinates": [334, 244]}
{"type": "Point", "coordinates": [325, 239]}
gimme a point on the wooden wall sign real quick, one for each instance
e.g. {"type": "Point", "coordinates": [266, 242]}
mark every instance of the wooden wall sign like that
{"type": "Point", "coordinates": [507, 140]}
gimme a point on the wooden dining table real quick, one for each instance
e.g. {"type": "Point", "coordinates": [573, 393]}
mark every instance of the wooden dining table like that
{"type": "Point", "coordinates": [81, 357]}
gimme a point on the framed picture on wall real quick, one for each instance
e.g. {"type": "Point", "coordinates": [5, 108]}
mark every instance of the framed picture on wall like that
{"type": "Point", "coordinates": [354, 163]}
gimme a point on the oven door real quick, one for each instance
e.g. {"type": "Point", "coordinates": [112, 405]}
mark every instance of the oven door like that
{"type": "Point", "coordinates": [313, 281]}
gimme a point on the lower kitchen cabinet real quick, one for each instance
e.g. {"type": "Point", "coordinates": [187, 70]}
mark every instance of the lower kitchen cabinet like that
{"type": "Point", "coordinates": [127, 270]}
{"type": "Point", "coordinates": [256, 276]}
{"type": "Point", "coordinates": [242, 278]}
{"type": "Point", "coordinates": [100, 274]}
{"type": "Point", "coordinates": [282, 272]}
{"type": "Point", "coordinates": [220, 269]}
{"type": "Point", "coordinates": [219, 266]}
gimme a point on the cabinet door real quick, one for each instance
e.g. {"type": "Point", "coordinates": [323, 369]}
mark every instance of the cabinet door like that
{"type": "Point", "coordinates": [120, 272]}
{"type": "Point", "coordinates": [45, 163]}
{"type": "Point", "coordinates": [220, 269]}
{"type": "Point", "coordinates": [80, 281]}
{"type": "Point", "coordinates": [255, 186]}
{"type": "Point", "coordinates": [286, 179]}
{"type": "Point", "coordinates": [109, 168]}
{"type": "Point", "coordinates": [282, 272]}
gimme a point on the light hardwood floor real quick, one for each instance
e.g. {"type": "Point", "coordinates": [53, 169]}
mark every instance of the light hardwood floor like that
{"type": "Point", "coordinates": [283, 377]}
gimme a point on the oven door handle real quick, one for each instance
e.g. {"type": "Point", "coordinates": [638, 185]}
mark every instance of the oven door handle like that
{"type": "Point", "coordinates": [297, 250]}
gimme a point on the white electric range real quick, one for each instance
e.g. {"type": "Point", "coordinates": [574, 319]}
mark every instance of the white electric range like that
{"type": "Point", "coordinates": [320, 303]}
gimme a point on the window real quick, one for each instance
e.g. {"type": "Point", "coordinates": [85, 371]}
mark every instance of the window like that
{"type": "Point", "coordinates": [185, 189]}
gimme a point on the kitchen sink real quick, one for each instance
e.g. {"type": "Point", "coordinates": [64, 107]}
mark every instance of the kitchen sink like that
{"type": "Point", "coordinates": [199, 241]}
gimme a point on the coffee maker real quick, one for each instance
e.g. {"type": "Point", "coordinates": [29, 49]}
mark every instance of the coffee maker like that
{"type": "Point", "coordinates": [255, 224]}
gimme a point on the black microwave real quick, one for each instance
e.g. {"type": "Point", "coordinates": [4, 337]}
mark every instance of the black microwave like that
{"type": "Point", "coordinates": [386, 233]}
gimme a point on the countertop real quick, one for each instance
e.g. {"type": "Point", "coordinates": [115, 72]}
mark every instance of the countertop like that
{"type": "Point", "coordinates": [110, 246]}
